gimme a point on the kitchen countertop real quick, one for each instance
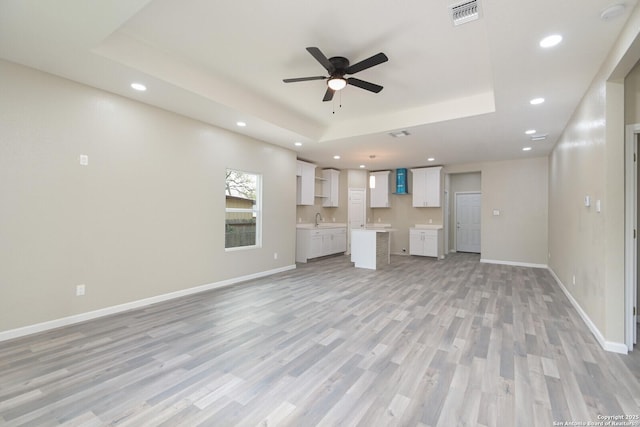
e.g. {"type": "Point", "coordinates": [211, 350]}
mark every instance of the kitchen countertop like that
{"type": "Point", "coordinates": [427, 227]}
{"type": "Point", "coordinates": [311, 226]}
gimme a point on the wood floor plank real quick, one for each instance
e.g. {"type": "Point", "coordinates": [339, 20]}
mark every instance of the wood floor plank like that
{"type": "Point", "coordinates": [419, 342]}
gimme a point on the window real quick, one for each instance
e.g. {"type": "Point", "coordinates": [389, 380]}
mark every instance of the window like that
{"type": "Point", "coordinates": [242, 209]}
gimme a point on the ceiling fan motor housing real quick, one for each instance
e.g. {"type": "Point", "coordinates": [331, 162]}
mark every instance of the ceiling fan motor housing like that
{"type": "Point", "coordinates": [340, 64]}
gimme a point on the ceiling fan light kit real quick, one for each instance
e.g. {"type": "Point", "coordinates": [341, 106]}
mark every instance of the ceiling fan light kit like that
{"type": "Point", "coordinates": [337, 67]}
{"type": "Point", "coordinates": [337, 83]}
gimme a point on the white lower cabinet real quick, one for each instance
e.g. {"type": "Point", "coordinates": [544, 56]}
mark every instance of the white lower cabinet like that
{"type": "Point", "coordinates": [424, 242]}
{"type": "Point", "coordinates": [317, 242]}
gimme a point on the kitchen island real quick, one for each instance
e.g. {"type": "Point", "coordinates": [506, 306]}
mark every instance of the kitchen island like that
{"type": "Point", "coordinates": [370, 247]}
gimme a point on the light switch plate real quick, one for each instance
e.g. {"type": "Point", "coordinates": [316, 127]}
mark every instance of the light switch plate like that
{"type": "Point", "coordinates": [587, 201]}
{"type": "Point", "coordinates": [496, 212]}
{"type": "Point", "coordinates": [84, 160]}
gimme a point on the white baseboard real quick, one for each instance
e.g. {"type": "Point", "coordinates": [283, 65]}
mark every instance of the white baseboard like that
{"type": "Point", "coordinates": [82, 317]}
{"type": "Point", "coordinates": [514, 263]}
{"type": "Point", "coordinates": [615, 347]}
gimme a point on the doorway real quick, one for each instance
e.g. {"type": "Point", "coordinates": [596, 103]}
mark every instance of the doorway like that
{"type": "Point", "coordinates": [356, 212]}
{"type": "Point", "coordinates": [631, 250]}
{"type": "Point", "coordinates": [468, 209]}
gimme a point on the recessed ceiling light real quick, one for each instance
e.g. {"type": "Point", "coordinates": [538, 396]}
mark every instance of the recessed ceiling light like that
{"type": "Point", "coordinates": [241, 124]}
{"type": "Point", "coordinates": [362, 166]}
{"type": "Point", "coordinates": [336, 157]}
{"type": "Point", "coordinates": [139, 87]}
{"type": "Point", "coordinates": [526, 149]}
{"type": "Point", "coordinates": [536, 101]}
{"type": "Point", "coordinates": [612, 11]}
{"type": "Point", "coordinates": [551, 40]}
{"type": "Point", "coordinates": [298, 144]}
{"type": "Point", "coordinates": [530, 131]}
{"type": "Point", "coordinates": [430, 159]}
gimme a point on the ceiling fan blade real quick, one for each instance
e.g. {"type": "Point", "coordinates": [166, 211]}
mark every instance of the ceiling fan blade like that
{"type": "Point", "coordinates": [316, 53]}
{"type": "Point", "coordinates": [303, 79]}
{"type": "Point", "coordinates": [371, 87]}
{"type": "Point", "coordinates": [367, 63]}
{"type": "Point", "coordinates": [328, 95]}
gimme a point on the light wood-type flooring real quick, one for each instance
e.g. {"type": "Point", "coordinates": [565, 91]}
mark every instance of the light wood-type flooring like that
{"type": "Point", "coordinates": [419, 342]}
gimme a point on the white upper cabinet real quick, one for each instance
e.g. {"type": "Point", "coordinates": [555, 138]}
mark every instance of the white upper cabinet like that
{"type": "Point", "coordinates": [379, 186]}
{"type": "Point", "coordinates": [305, 183]}
{"type": "Point", "coordinates": [426, 187]}
{"type": "Point", "coordinates": [330, 187]}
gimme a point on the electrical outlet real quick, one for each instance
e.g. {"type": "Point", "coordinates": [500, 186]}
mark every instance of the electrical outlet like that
{"type": "Point", "coordinates": [80, 289]}
{"type": "Point", "coordinates": [275, 255]}
{"type": "Point", "coordinates": [84, 160]}
{"type": "Point", "coordinates": [574, 279]}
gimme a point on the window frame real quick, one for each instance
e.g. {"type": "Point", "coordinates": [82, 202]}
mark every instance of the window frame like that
{"type": "Point", "coordinates": [255, 210]}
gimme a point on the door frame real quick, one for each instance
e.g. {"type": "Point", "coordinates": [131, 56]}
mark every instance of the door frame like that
{"type": "Point", "coordinates": [349, 208]}
{"type": "Point", "coordinates": [455, 216]}
{"type": "Point", "coordinates": [630, 225]}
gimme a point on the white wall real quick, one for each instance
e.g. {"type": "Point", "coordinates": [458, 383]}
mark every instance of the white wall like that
{"type": "Point", "coordinates": [519, 190]}
{"type": "Point", "coordinates": [145, 218]}
{"type": "Point", "coordinates": [589, 160]}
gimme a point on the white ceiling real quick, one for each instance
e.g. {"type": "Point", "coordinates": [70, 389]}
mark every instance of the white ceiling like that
{"type": "Point", "coordinates": [462, 92]}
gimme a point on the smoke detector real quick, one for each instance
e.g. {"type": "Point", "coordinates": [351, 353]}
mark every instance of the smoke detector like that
{"type": "Point", "coordinates": [464, 12]}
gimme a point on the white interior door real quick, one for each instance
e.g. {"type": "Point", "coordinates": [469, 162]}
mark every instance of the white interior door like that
{"type": "Point", "coordinates": [357, 211]}
{"type": "Point", "coordinates": [468, 208]}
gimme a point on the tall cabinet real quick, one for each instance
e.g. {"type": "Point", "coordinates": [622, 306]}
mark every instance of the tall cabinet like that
{"type": "Point", "coordinates": [379, 186]}
{"type": "Point", "coordinates": [305, 183]}
{"type": "Point", "coordinates": [426, 187]}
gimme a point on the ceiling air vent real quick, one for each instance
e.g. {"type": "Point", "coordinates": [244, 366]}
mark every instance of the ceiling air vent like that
{"type": "Point", "coordinates": [462, 13]}
{"type": "Point", "coordinates": [399, 134]}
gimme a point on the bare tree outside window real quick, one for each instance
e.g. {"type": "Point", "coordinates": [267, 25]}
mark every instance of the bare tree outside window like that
{"type": "Point", "coordinates": [242, 216]}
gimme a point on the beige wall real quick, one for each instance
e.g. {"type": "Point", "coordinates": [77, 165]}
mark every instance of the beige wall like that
{"type": "Point", "coordinates": [144, 218]}
{"type": "Point", "coordinates": [518, 189]}
{"type": "Point", "coordinates": [589, 160]}
{"type": "Point", "coordinates": [632, 116]}
{"type": "Point", "coordinates": [632, 96]}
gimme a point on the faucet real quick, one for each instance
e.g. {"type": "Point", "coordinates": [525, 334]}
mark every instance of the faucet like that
{"type": "Point", "coordinates": [318, 217]}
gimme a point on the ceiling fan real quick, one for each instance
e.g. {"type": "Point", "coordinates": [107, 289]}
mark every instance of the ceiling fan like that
{"type": "Point", "coordinates": [337, 67]}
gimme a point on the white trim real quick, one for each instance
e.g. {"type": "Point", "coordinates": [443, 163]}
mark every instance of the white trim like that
{"type": "Point", "coordinates": [630, 223]}
{"type": "Point", "coordinates": [615, 347]}
{"type": "Point", "coordinates": [514, 263]}
{"type": "Point", "coordinates": [83, 317]}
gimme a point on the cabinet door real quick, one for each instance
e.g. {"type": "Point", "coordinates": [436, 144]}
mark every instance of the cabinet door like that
{"type": "Point", "coordinates": [419, 188]}
{"type": "Point", "coordinates": [340, 241]}
{"type": "Point", "coordinates": [432, 193]}
{"type": "Point", "coordinates": [315, 246]}
{"type": "Point", "coordinates": [416, 246]}
{"type": "Point", "coordinates": [380, 192]}
{"type": "Point", "coordinates": [327, 242]}
{"type": "Point", "coordinates": [430, 243]}
{"type": "Point", "coordinates": [306, 184]}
